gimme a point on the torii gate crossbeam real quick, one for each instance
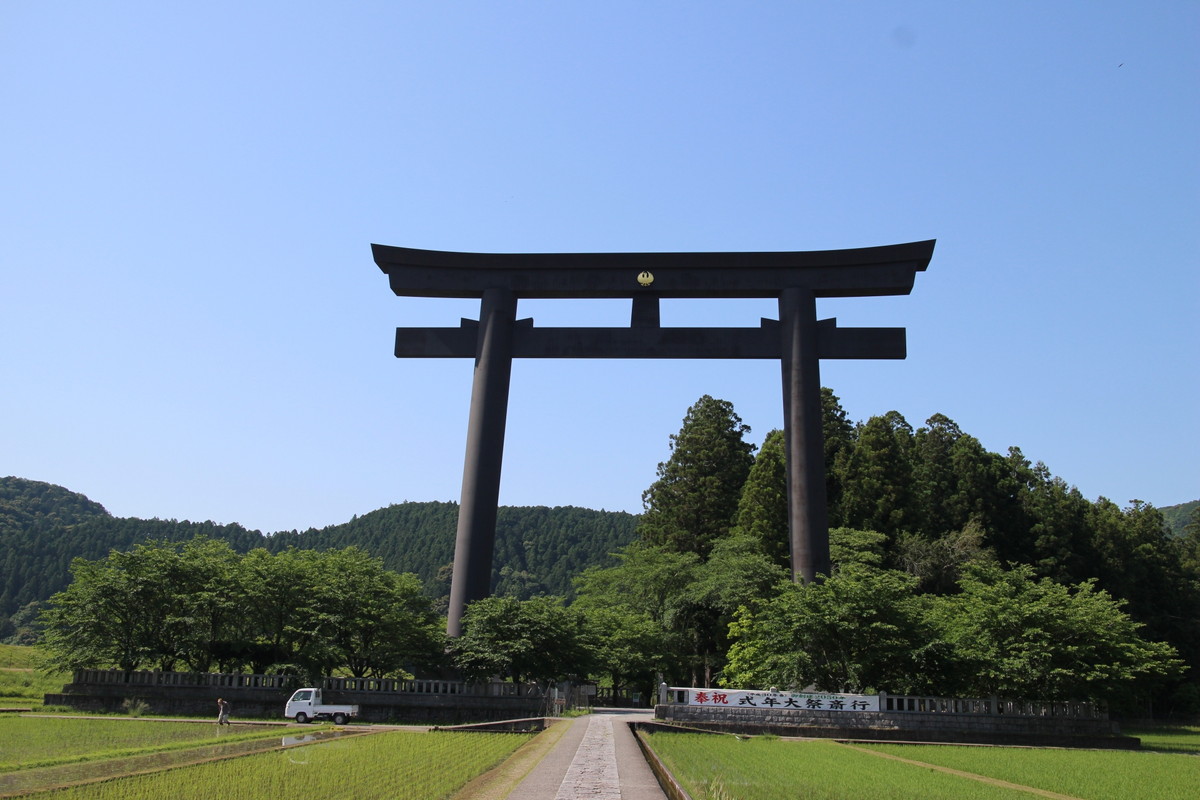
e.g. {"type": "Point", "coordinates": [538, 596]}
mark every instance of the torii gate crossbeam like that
{"type": "Point", "coordinates": [797, 339]}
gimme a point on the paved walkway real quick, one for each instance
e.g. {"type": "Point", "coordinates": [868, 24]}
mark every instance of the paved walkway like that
{"type": "Point", "coordinates": [596, 759]}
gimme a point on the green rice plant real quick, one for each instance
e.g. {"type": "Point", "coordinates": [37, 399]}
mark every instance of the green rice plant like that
{"type": "Point", "coordinates": [1094, 774]}
{"type": "Point", "coordinates": [31, 742]}
{"type": "Point", "coordinates": [79, 772]}
{"type": "Point", "coordinates": [713, 767]}
{"type": "Point", "coordinates": [415, 766]}
{"type": "Point", "coordinates": [1179, 739]}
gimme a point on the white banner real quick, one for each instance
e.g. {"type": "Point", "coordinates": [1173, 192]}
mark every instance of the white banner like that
{"type": "Point", "coordinates": [804, 701]}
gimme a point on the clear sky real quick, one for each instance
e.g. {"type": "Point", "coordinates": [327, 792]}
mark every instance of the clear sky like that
{"type": "Point", "coordinates": [193, 327]}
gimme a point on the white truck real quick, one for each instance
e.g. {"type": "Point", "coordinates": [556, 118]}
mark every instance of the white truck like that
{"type": "Point", "coordinates": [305, 705]}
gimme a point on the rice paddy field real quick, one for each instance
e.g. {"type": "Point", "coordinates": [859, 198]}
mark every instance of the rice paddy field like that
{"type": "Point", "coordinates": [126, 759]}
{"type": "Point", "coordinates": [1092, 774]}
{"type": "Point", "coordinates": [1171, 739]}
{"type": "Point", "coordinates": [36, 742]}
{"type": "Point", "coordinates": [122, 758]}
{"type": "Point", "coordinates": [726, 768]}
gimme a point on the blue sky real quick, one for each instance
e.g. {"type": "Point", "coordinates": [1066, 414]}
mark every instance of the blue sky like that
{"type": "Point", "coordinates": [193, 326]}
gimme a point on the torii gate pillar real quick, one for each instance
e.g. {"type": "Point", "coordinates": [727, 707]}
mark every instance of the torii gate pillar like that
{"type": "Point", "coordinates": [476, 538]}
{"type": "Point", "coordinates": [798, 340]}
{"type": "Point", "coordinates": [804, 439]}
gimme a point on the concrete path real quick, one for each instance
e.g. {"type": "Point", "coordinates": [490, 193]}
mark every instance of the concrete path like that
{"type": "Point", "coordinates": [596, 759]}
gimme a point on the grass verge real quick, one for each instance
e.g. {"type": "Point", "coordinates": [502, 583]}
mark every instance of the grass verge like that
{"type": "Point", "coordinates": [23, 684]}
{"type": "Point", "coordinates": [498, 783]}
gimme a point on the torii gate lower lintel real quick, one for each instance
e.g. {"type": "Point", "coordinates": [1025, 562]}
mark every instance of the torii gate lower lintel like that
{"type": "Point", "coordinates": [797, 339]}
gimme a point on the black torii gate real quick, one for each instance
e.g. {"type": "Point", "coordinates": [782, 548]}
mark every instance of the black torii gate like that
{"type": "Point", "coordinates": [797, 339]}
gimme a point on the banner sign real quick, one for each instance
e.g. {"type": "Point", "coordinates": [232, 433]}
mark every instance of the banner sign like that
{"type": "Point", "coordinates": [805, 701]}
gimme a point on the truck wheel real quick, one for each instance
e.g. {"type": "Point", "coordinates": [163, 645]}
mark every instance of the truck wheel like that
{"type": "Point", "coordinates": [302, 718]}
{"type": "Point", "coordinates": [339, 719]}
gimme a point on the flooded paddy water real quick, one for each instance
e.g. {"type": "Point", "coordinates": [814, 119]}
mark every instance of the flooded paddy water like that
{"type": "Point", "coordinates": [42, 778]}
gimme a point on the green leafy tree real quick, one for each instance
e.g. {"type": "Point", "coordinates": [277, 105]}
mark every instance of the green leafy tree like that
{"type": "Point", "coordinates": [689, 600]}
{"type": "Point", "coordinates": [116, 612]}
{"type": "Point", "coordinates": [1032, 517]}
{"type": "Point", "coordinates": [538, 549]}
{"type": "Point", "coordinates": [848, 546]}
{"type": "Point", "coordinates": [695, 499]}
{"type": "Point", "coordinates": [285, 637]}
{"type": "Point", "coordinates": [200, 604]}
{"type": "Point", "coordinates": [211, 600]}
{"type": "Point", "coordinates": [537, 640]}
{"type": "Point", "coordinates": [861, 629]}
{"type": "Point", "coordinates": [649, 582]}
{"type": "Point", "coordinates": [738, 574]}
{"type": "Point", "coordinates": [1137, 557]}
{"type": "Point", "coordinates": [627, 647]}
{"type": "Point", "coordinates": [378, 623]}
{"type": "Point", "coordinates": [1015, 635]}
{"type": "Point", "coordinates": [1057, 542]}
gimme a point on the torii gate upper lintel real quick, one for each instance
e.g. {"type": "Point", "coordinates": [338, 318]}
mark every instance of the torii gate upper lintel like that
{"type": "Point", "coordinates": [797, 339]}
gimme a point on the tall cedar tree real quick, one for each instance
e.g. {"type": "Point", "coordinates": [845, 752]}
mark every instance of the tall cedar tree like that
{"type": "Point", "coordinates": [695, 498]}
{"type": "Point", "coordinates": [763, 508]}
{"type": "Point", "coordinates": [838, 435]}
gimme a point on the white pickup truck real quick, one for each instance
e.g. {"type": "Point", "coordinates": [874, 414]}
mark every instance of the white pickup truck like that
{"type": "Point", "coordinates": [305, 705]}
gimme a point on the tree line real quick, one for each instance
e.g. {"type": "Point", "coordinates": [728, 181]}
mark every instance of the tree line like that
{"type": "Point", "coordinates": [201, 606]}
{"type": "Point", "coordinates": [955, 571]}
{"type": "Point", "coordinates": [539, 550]}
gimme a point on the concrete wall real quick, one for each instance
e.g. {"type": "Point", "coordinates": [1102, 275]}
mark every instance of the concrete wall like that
{"type": "Point", "coordinates": [373, 706]}
{"type": "Point", "coordinates": [902, 726]}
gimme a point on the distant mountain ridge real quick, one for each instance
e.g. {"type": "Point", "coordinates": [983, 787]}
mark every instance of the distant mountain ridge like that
{"type": "Point", "coordinates": [538, 549]}
{"type": "Point", "coordinates": [1178, 517]}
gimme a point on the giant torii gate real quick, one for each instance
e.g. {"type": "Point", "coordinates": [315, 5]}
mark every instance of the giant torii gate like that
{"type": "Point", "coordinates": [797, 339]}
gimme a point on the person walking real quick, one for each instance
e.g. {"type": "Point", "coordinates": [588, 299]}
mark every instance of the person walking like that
{"type": "Point", "coordinates": [222, 711]}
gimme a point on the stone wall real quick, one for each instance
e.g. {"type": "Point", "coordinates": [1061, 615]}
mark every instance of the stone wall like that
{"type": "Point", "coordinates": [902, 726]}
{"type": "Point", "coordinates": [269, 702]}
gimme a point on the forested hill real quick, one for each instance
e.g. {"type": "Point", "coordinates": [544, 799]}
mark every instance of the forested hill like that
{"type": "Point", "coordinates": [1178, 517]}
{"type": "Point", "coordinates": [43, 527]}
{"type": "Point", "coordinates": [538, 550]}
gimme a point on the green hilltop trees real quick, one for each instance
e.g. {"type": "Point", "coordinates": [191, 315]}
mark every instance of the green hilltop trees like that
{"type": "Point", "coordinates": [956, 571]}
